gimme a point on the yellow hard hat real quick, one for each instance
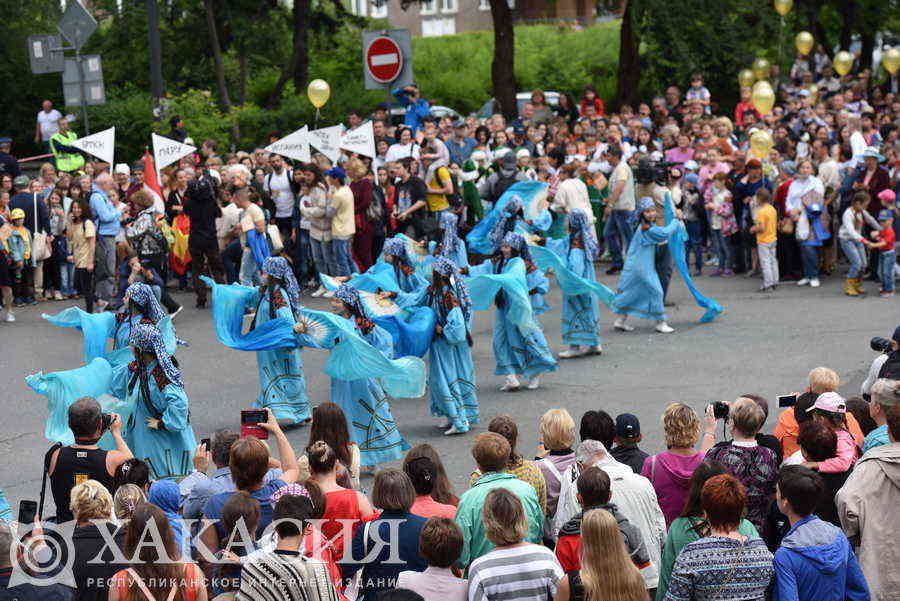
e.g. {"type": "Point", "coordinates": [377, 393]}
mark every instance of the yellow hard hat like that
{"type": "Point", "coordinates": [17, 214]}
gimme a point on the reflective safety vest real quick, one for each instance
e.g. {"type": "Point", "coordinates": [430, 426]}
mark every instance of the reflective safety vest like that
{"type": "Point", "coordinates": [65, 161]}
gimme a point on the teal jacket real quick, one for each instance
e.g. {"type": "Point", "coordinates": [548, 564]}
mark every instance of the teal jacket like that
{"type": "Point", "coordinates": [468, 514]}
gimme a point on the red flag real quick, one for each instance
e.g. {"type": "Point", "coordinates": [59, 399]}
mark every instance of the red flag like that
{"type": "Point", "coordinates": [151, 182]}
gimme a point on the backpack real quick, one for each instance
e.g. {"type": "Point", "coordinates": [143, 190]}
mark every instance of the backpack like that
{"type": "Point", "coordinates": [501, 184]}
{"type": "Point", "coordinates": [268, 184]}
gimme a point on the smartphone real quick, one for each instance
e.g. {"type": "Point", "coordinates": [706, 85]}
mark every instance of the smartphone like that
{"type": "Point", "coordinates": [206, 443]}
{"type": "Point", "coordinates": [787, 400]}
{"type": "Point", "coordinates": [249, 419]}
{"type": "Point", "coordinates": [27, 511]}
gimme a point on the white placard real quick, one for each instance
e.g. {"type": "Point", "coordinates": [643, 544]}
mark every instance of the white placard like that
{"type": "Point", "coordinates": [166, 151]}
{"type": "Point", "coordinates": [101, 144]}
{"type": "Point", "coordinates": [293, 146]}
{"type": "Point", "coordinates": [360, 140]}
{"type": "Point", "coordinates": [327, 140]}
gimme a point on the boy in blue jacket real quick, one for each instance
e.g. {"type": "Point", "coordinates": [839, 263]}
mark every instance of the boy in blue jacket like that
{"type": "Point", "coordinates": [815, 561]}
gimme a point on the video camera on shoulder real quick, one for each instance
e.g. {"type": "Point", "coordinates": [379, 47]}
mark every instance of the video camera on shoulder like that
{"type": "Point", "coordinates": [203, 189]}
{"type": "Point", "coordinates": [648, 172]}
{"type": "Point", "coordinates": [880, 344]}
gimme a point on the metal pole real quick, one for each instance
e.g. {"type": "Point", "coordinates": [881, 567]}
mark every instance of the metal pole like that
{"type": "Point", "coordinates": [84, 115]}
{"type": "Point", "coordinates": [156, 78]}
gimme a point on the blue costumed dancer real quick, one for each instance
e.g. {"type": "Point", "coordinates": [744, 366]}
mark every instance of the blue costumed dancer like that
{"type": "Point", "coordinates": [579, 311]}
{"type": "Point", "coordinates": [451, 375]}
{"type": "Point", "coordinates": [508, 222]}
{"type": "Point", "coordinates": [158, 430]}
{"type": "Point", "coordinates": [450, 245]}
{"type": "Point", "coordinates": [518, 351]}
{"type": "Point", "coordinates": [365, 403]}
{"type": "Point", "coordinates": [281, 382]}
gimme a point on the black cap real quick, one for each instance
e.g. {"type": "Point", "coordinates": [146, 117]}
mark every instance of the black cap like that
{"type": "Point", "coordinates": [896, 336]}
{"type": "Point", "coordinates": [627, 426]}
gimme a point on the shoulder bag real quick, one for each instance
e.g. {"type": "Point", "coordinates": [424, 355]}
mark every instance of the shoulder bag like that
{"type": "Point", "coordinates": [40, 249]}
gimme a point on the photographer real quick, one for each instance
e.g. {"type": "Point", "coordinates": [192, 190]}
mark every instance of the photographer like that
{"type": "Point", "coordinates": [885, 365]}
{"type": "Point", "coordinates": [201, 205]}
{"type": "Point", "coordinates": [651, 179]}
{"type": "Point", "coordinates": [84, 460]}
{"type": "Point", "coordinates": [417, 108]}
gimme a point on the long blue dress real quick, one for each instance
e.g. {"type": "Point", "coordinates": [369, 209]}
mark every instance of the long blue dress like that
{"type": "Point", "coordinates": [281, 381]}
{"type": "Point", "coordinates": [517, 352]}
{"type": "Point", "coordinates": [579, 311]}
{"type": "Point", "coordinates": [368, 411]}
{"type": "Point", "coordinates": [639, 290]}
{"type": "Point", "coordinates": [451, 372]}
{"type": "Point", "coordinates": [169, 451]}
{"type": "Point", "coordinates": [538, 286]}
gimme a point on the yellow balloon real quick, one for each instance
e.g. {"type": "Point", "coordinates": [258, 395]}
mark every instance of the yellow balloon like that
{"type": "Point", "coordinates": [813, 92]}
{"type": "Point", "coordinates": [746, 78]}
{"type": "Point", "coordinates": [783, 7]}
{"type": "Point", "coordinates": [318, 92]}
{"type": "Point", "coordinates": [843, 62]}
{"type": "Point", "coordinates": [761, 68]}
{"type": "Point", "coordinates": [761, 143]}
{"type": "Point", "coordinates": [891, 60]}
{"type": "Point", "coordinates": [804, 42]}
{"type": "Point", "coordinates": [763, 97]}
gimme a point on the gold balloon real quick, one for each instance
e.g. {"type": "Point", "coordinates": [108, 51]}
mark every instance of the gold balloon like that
{"type": "Point", "coordinates": [804, 42]}
{"type": "Point", "coordinates": [746, 78]}
{"type": "Point", "coordinates": [891, 60]}
{"type": "Point", "coordinates": [783, 7]}
{"type": "Point", "coordinates": [843, 62]}
{"type": "Point", "coordinates": [761, 143]}
{"type": "Point", "coordinates": [763, 97]}
{"type": "Point", "coordinates": [761, 68]}
{"type": "Point", "coordinates": [318, 92]}
{"type": "Point", "coordinates": [813, 92]}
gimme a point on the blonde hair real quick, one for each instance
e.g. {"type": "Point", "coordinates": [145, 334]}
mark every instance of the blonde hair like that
{"type": "Point", "coordinates": [91, 501]}
{"type": "Point", "coordinates": [607, 572]}
{"type": "Point", "coordinates": [823, 379]}
{"type": "Point", "coordinates": [125, 501]}
{"type": "Point", "coordinates": [504, 518]}
{"type": "Point", "coordinates": [355, 168]}
{"type": "Point", "coordinates": [557, 429]}
{"type": "Point", "coordinates": [681, 425]}
{"type": "Point", "coordinates": [746, 416]}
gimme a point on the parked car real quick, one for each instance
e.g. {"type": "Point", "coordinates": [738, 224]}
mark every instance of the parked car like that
{"type": "Point", "coordinates": [398, 113]}
{"type": "Point", "coordinates": [487, 109]}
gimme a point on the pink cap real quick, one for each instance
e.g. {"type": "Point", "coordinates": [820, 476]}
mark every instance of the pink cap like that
{"type": "Point", "coordinates": [831, 402]}
{"type": "Point", "coordinates": [888, 195]}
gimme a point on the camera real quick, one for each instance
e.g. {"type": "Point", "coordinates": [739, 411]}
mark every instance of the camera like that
{"type": "Point", "coordinates": [203, 190]}
{"type": "Point", "coordinates": [880, 345]}
{"type": "Point", "coordinates": [107, 420]}
{"type": "Point", "coordinates": [720, 410]}
{"type": "Point", "coordinates": [648, 172]}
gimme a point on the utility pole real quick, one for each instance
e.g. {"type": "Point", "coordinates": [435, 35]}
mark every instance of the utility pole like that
{"type": "Point", "coordinates": [156, 78]}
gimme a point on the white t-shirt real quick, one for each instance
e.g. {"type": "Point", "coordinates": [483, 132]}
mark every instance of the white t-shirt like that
{"type": "Point", "coordinates": [622, 172]}
{"type": "Point", "coordinates": [48, 124]}
{"type": "Point", "coordinates": [279, 187]}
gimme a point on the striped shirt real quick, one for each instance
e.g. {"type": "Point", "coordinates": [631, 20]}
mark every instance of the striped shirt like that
{"type": "Point", "coordinates": [523, 573]}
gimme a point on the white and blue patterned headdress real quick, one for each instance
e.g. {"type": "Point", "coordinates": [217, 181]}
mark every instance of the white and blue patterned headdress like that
{"type": "Point", "coordinates": [579, 222]}
{"type": "Point", "coordinates": [278, 267]}
{"type": "Point", "coordinates": [396, 248]}
{"type": "Point", "coordinates": [506, 222]}
{"type": "Point", "coordinates": [449, 244]}
{"type": "Point", "coordinates": [448, 269]}
{"type": "Point", "coordinates": [350, 295]}
{"type": "Point", "coordinates": [142, 295]}
{"type": "Point", "coordinates": [148, 339]}
{"type": "Point", "coordinates": [517, 242]}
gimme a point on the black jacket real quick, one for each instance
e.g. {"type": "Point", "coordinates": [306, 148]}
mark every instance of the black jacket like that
{"type": "Point", "coordinates": [25, 201]}
{"type": "Point", "coordinates": [88, 543]}
{"type": "Point", "coordinates": [630, 455]}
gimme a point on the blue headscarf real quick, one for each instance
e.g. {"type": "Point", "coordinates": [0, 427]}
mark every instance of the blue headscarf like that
{"type": "Point", "coordinates": [142, 295]}
{"type": "Point", "coordinates": [396, 247]}
{"type": "Point", "coordinates": [147, 338]}
{"type": "Point", "coordinates": [165, 495]}
{"type": "Point", "coordinates": [448, 269]}
{"type": "Point", "coordinates": [579, 222]}
{"type": "Point", "coordinates": [517, 242]}
{"type": "Point", "coordinates": [644, 204]}
{"type": "Point", "coordinates": [506, 222]}
{"type": "Point", "coordinates": [449, 244]}
{"type": "Point", "coordinates": [278, 267]}
{"type": "Point", "coordinates": [350, 295]}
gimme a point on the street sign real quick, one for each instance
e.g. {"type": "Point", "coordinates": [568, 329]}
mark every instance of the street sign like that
{"type": "Point", "coordinates": [92, 70]}
{"type": "Point", "coordinates": [387, 58]}
{"type": "Point", "coordinates": [76, 24]}
{"type": "Point", "coordinates": [45, 54]}
{"type": "Point", "coordinates": [384, 59]}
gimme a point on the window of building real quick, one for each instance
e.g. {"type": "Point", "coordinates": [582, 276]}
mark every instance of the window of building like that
{"type": "Point", "coordinates": [358, 7]}
{"type": "Point", "coordinates": [436, 27]}
{"type": "Point", "coordinates": [484, 5]}
{"type": "Point", "coordinates": [428, 7]}
{"type": "Point", "coordinates": [379, 11]}
{"type": "Point", "coordinates": [449, 6]}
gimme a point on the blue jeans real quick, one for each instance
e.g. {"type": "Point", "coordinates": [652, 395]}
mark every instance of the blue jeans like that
{"type": "Point", "coordinates": [343, 262]}
{"type": "Point", "coordinates": [886, 261]}
{"type": "Point", "coordinates": [722, 248]}
{"type": "Point", "coordinates": [321, 254]}
{"type": "Point", "coordinates": [618, 233]}
{"type": "Point", "coordinates": [694, 243]}
{"type": "Point", "coordinates": [810, 257]}
{"type": "Point", "coordinates": [856, 254]}
{"type": "Point", "coordinates": [66, 277]}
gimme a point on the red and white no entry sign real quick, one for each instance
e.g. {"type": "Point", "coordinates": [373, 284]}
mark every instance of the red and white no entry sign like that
{"type": "Point", "coordinates": [384, 60]}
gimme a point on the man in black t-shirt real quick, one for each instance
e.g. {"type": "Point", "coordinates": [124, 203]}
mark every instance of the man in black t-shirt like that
{"type": "Point", "coordinates": [201, 204]}
{"type": "Point", "coordinates": [410, 206]}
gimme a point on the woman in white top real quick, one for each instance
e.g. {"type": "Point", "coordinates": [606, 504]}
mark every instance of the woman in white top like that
{"type": "Point", "coordinates": [804, 204]}
{"type": "Point", "coordinates": [405, 147]}
{"type": "Point", "coordinates": [854, 244]}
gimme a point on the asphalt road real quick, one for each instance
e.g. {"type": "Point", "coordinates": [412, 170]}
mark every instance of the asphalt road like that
{"type": "Point", "coordinates": [763, 343]}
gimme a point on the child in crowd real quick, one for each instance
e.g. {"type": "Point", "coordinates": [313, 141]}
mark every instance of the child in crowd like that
{"type": "Point", "coordinates": [628, 435]}
{"type": "Point", "coordinates": [887, 256]}
{"type": "Point", "coordinates": [692, 210]}
{"type": "Point", "coordinates": [698, 93]}
{"type": "Point", "coordinates": [61, 273]}
{"type": "Point", "coordinates": [23, 271]}
{"type": "Point", "coordinates": [722, 223]}
{"type": "Point", "coordinates": [81, 239]}
{"type": "Point", "coordinates": [764, 226]}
